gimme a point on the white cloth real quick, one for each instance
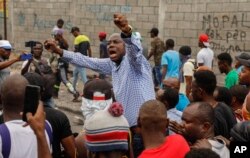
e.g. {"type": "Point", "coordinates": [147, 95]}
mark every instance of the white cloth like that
{"type": "Point", "coordinates": [56, 30]}
{"type": "Point", "coordinates": [205, 56]}
{"type": "Point", "coordinates": [23, 140]}
{"type": "Point", "coordinates": [220, 148]}
{"type": "Point", "coordinates": [89, 107]}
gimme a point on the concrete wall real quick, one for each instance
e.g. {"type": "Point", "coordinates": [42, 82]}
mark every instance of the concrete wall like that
{"type": "Point", "coordinates": [226, 21]}
{"type": "Point", "coordinates": [34, 19]}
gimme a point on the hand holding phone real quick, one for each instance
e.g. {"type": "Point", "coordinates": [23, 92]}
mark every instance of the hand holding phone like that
{"type": "Point", "coordinates": [31, 101]}
{"type": "Point", "coordinates": [26, 56]}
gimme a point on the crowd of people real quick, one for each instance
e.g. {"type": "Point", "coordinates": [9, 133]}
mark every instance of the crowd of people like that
{"type": "Point", "coordinates": [174, 109]}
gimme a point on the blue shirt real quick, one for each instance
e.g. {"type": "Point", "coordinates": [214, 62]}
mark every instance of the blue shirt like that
{"type": "Point", "coordinates": [183, 102]}
{"type": "Point", "coordinates": [132, 79]}
{"type": "Point", "coordinates": [238, 70]}
{"type": "Point", "coordinates": [174, 115]}
{"type": "Point", "coordinates": [172, 60]}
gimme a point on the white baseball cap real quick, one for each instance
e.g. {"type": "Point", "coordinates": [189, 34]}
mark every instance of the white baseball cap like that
{"type": "Point", "coordinates": [5, 44]}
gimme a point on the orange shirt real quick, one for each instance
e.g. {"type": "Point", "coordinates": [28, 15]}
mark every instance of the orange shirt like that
{"type": "Point", "coordinates": [175, 146]}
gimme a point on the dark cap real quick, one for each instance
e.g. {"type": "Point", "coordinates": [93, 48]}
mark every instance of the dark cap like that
{"type": "Point", "coordinates": [74, 29]}
{"type": "Point", "coordinates": [154, 31]}
{"type": "Point", "coordinates": [244, 59]}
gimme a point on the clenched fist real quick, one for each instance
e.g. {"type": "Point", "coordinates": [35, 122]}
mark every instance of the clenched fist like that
{"type": "Point", "coordinates": [122, 23]}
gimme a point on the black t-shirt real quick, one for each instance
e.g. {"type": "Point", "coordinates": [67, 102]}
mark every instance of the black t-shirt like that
{"type": "Point", "coordinates": [224, 120]}
{"type": "Point", "coordinates": [60, 126]}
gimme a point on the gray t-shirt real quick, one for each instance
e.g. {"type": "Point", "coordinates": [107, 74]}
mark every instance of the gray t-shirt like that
{"type": "Point", "coordinates": [220, 148]}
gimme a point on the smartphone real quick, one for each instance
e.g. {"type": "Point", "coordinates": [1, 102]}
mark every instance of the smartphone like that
{"type": "Point", "coordinates": [26, 56]}
{"type": "Point", "coordinates": [31, 100]}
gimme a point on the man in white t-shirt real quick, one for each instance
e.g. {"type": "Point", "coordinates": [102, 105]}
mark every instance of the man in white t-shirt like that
{"type": "Point", "coordinates": [22, 140]}
{"type": "Point", "coordinates": [187, 69]}
{"type": "Point", "coordinates": [205, 56]}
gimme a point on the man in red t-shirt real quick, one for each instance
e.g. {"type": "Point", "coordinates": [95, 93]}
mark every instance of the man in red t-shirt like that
{"type": "Point", "coordinates": [153, 122]}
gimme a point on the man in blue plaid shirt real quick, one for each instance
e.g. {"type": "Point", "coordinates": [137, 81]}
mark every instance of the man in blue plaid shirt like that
{"type": "Point", "coordinates": [130, 70]}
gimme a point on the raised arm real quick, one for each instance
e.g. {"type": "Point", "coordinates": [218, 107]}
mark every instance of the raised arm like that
{"type": "Point", "coordinates": [134, 50]}
{"type": "Point", "coordinates": [133, 43]}
{"type": "Point", "coordinates": [101, 65]}
{"type": "Point", "coordinates": [7, 63]}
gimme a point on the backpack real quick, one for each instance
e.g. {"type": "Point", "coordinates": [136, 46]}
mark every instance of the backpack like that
{"type": "Point", "coordinates": [6, 140]}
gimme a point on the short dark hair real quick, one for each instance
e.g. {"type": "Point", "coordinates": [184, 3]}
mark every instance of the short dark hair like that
{"type": "Point", "coordinates": [60, 21]}
{"type": "Point", "coordinates": [225, 57]}
{"type": "Point", "coordinates": [154, 31]}
{"type": "Point", "coordinates": [37, 42]}
{"type": "Point", "coordinates": [206, 80]}
{"type": "Point", "coordinates": [171, 96]}
{"type": "Point", "coordinates": [202, 153]}
{"type": "Point", "coordinates": [224, 95]}
{"type": "Point", "coordinates": [240, 92]}
{"type": "Point", "coordinates": [73, 29]}
{"type": "Point", "coordinates": [205, 112]}
{"type": "Point", "coordinates": [34, 79]}
{"type": "Point", "coordinates": [170, 43]}
{"type": "Point", "coordinates": [152, 115]}
{"type": "Point", "coordinates": [185, 50]}
{"type": "Point", "coordinates": [45, 82]}
{"type": "Point", "coordinates": [97, 85]}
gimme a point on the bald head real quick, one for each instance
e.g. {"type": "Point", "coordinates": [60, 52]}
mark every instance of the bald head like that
{"type": "Point", "coordinates": [202, 111]}
{"type": "Point", "coordinates": [13, 92]}
{"type": "Point", "coordinates": [152, 116]}
{"type": "Point", "coordinates": [115, 35]}
{"type": "Point", "coordinates": [198, 121]}
{"type": "Point", "coordinates": [172, 83]}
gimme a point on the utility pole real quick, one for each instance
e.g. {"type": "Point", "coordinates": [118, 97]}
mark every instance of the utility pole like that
{"type": "Point", "coordinates": [5, 19]}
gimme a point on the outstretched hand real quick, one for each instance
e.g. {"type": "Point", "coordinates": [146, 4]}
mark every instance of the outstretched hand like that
{"type": "Point", "coordinates": [176, 127]}
{"type": "Point", "coordinates": [51, 46]}
{"type": "Point", "coordinates": [122, 23]}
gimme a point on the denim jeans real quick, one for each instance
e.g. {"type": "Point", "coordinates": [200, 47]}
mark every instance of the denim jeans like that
{"type": "Point", "coordinates": [61, 76]}
{"type": "Point", "coordinates": [157, 75]}
{"type": "Point", "coordinates": [82, 72]}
